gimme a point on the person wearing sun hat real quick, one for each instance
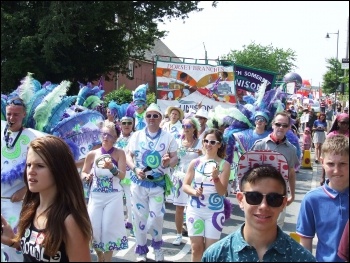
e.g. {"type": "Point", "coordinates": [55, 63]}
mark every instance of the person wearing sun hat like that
{"type": "Point", "coordinates": [262, 177]}
{"type": "Point", "coordinates": [174, 125]}
{"type": "Point", "coordinates": [150, 154]}
{"type": "Point", "coordinates": [202, 116]}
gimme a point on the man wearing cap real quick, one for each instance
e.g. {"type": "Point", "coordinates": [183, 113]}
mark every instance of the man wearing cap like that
{"type": "Point", "coordinates": [277, 141]}
{"type": "Point", "coordinates": [202, 116]}
{"type": "Point", "coordinates": [174, 125]}
{"type": "Point", "coordinates": [150, 154]}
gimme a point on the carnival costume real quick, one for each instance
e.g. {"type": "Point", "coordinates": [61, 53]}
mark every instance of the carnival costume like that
{"type": "Point", "coordinates": [105, 208]}
{"type": "Point", "coordinates": [148, 151]}
{"type": "Point", "coordinates": [205, 215]}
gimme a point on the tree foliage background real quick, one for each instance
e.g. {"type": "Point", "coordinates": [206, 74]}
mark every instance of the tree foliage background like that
{"type": "Point", "coordinates": [264, 57]}
{"type": "Point", "coordinates": [335, 77]}
{"type": "Point", "coordinates": [80, 40]}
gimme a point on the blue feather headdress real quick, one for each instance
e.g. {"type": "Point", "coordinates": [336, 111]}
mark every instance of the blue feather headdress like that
{"type": "Point", "coordinates": [139, 94]}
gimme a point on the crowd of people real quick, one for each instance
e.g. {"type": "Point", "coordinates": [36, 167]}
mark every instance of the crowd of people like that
{"type": "Point", "coordinates": [191, 159]}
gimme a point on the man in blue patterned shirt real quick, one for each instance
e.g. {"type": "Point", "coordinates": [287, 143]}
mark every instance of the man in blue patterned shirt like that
{"type": "Point", "coordinates": [262, 198]}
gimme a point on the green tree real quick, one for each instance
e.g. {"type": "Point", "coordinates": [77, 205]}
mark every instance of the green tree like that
{"type": "Point", "coordinates": [79, 40]}
{"type": "Point", "coordinates": [264, 57]}
{"type": "Point", "coordinates": [334, 77]}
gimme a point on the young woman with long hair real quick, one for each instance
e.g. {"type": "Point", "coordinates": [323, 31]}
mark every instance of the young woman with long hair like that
{"type": "Point", "coordinates": [206, 183]}
{"type": "Point", "coordinates": [54, 222]}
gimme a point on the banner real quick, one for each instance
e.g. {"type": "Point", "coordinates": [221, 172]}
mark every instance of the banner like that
{"type": "Point", "coordinates": [250, 79]}
{"type": "Point", "coordinates": [186, 85]}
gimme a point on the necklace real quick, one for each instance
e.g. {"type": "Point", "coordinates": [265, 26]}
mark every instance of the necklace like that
{"type": "Point", "coordinates": [155, 136]}
{"type": "Point", "coordinates": [7, 137]}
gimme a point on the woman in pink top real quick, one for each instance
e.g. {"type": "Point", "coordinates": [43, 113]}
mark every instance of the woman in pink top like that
{"type": "Point", "coordinates": [340, 125]}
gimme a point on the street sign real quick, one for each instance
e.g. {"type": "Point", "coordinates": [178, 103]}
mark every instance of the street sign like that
{"type": "Point", "coordinates": [345, 63]}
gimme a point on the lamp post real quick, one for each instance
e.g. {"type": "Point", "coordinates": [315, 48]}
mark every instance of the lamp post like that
{"type": "Point", "coordinates": [336, 69]}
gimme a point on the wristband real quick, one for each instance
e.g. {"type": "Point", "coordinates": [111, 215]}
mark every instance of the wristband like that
{"type": "Point", "coordinates": [215, 180]}
{"type": "Point", "coordinates": [114, 170]}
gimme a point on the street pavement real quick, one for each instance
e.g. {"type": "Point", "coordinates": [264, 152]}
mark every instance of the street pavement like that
{"type": "Point", "coordinates": [307, 179]}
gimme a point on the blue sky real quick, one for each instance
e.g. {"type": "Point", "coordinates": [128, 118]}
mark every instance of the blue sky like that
{"type": "Point", "coordinates": [300, 26]}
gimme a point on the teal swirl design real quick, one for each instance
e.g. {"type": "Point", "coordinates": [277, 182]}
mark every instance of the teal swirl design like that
{"type": "Point", "coordinates": [216, 202]}
{"type": "Point", "coordinates": [16, 151]}
{"type": "Point", "coordinates": [198, 225]}
{"type": "Point", "coordinates": [151, 159]}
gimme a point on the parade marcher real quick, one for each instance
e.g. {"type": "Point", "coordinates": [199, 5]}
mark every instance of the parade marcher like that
{"type": "Point", "coordinates": [106, 167]}
{"type": "Point", "coordinates": [277, 141]}
{"type": "Point", "coordinates": [189, 148]}
{"type": "Point", "coordinates": [262, 197]}
{"type": "Point", "coordinates": [174, 125]}
{"type": "Point", "coordinates": [324, 211]}
{"type": "Point", "coordinates": [150, 153]}
{"type": "Point", "coordinates": [202, 116]}
{"type": "Point", "coordinates": [140, 105]}
{"type": "Point", "coordinates": [206, 183]}
{"type": "Point", "coordinates": [127, 129]}
{"type": "Point", "coordinates": [319, 134]}
{"type": "Point", "coordinates": [54, 224]}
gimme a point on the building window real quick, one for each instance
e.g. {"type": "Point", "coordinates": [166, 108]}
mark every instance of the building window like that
{"type": "Point", "coordinates": [131, 69]}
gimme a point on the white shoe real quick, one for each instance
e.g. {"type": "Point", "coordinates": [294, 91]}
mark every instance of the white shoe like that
{"type": "Point", "coordinates": [178, 240]}
{"type": "Point", "coordinates": [141, 258]}
{"type": "Point", "coordinates": [158, 255]}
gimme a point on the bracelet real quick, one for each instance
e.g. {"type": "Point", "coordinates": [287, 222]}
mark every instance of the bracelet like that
{"type": "Point", "coordinates": [215, 180]}
{"type": "Point", "coordinates": [114, 170]}
{"type": "Point", "coordinates": [12, 244]}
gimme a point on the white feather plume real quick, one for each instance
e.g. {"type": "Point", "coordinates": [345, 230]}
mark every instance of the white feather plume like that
{"type": "Point", "coordinates": [26, 90]}
{"type": "Point", "coordinates": [43, 112]}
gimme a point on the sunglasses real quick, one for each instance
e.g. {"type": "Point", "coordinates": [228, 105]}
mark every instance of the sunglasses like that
{"type": "Point", "coordinates": [279, 125]}
{"type": "Point", "coordinates": [272, 199]}
{"type": "Point", "coordinates": [127, 123]}
{"type": "Point", "coordinates": [17, 102]}
{"type": "Point", "coordinates": [211, 142]}
{"type": "Point", "coordinates": [155, 116]}
{"type": "Point", "coordinates": [187, 126]}
{"type": "Point", "coordinates": [109, 136]}
{"type": "Point", "coordinates": [260, 119]}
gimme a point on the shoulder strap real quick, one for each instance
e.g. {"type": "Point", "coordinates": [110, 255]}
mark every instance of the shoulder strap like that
{"type": "Point", "coordinates": [221, 165]}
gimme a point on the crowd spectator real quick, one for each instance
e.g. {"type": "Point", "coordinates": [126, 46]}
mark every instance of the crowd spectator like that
{"type": "Point", "coordinates": [324, 211]}
{"type": "Point", "coordinates": [277, 141]}
{"type": "Point", "coordinates": [54, 224]}
{"type": "Point", "coordinates": [263, 192]}
{"type": "Point", "coordinates": [319, 134]}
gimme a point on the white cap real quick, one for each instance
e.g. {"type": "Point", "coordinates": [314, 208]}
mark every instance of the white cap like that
{"type": "Point", "coordinates": [201, 113]}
